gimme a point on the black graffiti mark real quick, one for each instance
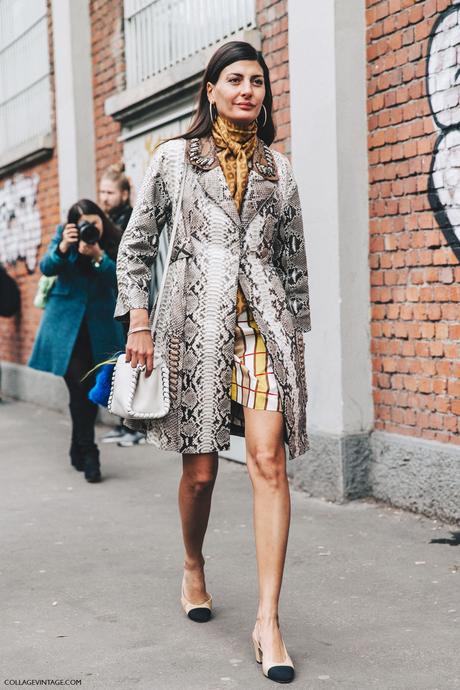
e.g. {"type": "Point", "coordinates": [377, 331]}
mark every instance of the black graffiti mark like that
{"type": "Point", "coordinates": [441, 212]}
{"type": "Point", "coordinates": [438, 207]}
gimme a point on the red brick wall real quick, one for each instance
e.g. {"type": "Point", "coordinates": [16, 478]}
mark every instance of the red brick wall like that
{"type": "Point", "coordinates": [17, 334]}
{"type": "Point", "coordinates": [272, 22]}
{"type": "Point", "coordinates": [107, 45]}
{"type": "Point", "coordinates": [415, 294]}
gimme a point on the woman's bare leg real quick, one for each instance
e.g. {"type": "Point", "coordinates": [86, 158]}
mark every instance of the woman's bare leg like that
{"type": "Point", "coordinates": [195, 493]}
{"type": "Point", "coordinates": [266, 462]}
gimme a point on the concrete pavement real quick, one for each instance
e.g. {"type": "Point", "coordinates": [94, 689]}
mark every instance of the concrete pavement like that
{"type": "Point", "coordinates": [90, 579]}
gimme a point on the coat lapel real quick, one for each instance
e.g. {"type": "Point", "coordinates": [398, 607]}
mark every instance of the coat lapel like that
{"type": "Point", "coordinates": [215, 186]}
{"type": "Point", "coordinates": [202, 154]}
{"type": "Point", "coordinates": [261, 183]}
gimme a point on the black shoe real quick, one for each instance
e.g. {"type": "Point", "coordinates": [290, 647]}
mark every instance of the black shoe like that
{"type": "Point", "coordinates": [76, 457]}
{"type": "Point", "coordinates": [92, 467]}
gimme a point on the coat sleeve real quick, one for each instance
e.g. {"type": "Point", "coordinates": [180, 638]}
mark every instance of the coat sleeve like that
{"type": "Point", "coordinates": [290, 255]}
{"type": "Point", "coordinates": [139, 243]}
{"type": "Point", "coordinates": [54, 263]}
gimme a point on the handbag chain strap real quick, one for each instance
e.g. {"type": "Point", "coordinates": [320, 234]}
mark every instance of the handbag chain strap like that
{"type": "Point", "coordinates": [170, 248]}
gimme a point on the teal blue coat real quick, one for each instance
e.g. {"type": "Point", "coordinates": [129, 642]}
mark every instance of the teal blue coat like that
{"type": "Point", "coordinates": [75, 295]}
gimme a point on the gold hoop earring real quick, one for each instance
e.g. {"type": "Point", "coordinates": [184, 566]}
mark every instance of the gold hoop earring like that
{"type": "Point", "coordinates": [211, 114]}
{"type": "Point", "coordinates": [265, 116]}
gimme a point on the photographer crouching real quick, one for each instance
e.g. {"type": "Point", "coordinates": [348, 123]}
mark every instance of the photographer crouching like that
{"type": "Point", "coordinates": [78, 330]}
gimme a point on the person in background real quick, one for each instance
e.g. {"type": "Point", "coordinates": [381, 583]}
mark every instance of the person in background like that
{"type": "Point", "coordinates": [114, 196]}
{"type": "Point", "coordinates": [78, 330]}
{"type": "Point", "coordinates": [10, 298]}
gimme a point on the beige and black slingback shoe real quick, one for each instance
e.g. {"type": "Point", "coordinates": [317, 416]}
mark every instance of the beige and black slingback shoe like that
{"type": "Point", "coordinates": [200, 613]}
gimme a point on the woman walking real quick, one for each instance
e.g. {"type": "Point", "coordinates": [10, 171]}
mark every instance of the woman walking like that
{"type": "Point", "coordinates": [78, 330]}
{"type": "Point", "coordinates": [232, 314]}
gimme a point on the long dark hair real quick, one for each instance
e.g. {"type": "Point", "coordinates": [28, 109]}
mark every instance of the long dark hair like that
{"type": "Point", "coordinates": [112, 233]}
{"type": "Point", "coordinates": [230, 52]}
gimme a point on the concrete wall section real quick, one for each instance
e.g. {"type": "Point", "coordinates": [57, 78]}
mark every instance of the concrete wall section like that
{"type": "Point", "coordinates": [423, 476]}
{"type": "Point", "coordinates": [329, 154]}
{"type": "Point", "coordinates": [353, 213]}
{"type": "Point", "coordinates": [40, 388]}
{"type": "Point", "coordinates": [314, 157]}
{"type": "Point", "coordinates": [74, 101]}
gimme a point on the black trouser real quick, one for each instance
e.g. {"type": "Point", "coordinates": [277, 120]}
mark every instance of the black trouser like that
{"type": "Point", "coordinates": [82, 411]}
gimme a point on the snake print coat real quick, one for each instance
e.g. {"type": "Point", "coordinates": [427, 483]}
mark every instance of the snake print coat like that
{"type": "Point", "coordinates": [262, 248]}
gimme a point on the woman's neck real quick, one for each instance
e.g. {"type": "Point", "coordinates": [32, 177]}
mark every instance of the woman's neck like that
{"type": "Point", "coordinates": [242, 126]}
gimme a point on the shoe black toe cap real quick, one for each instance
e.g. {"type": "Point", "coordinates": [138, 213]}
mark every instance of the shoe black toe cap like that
{"type": "Point", "coordinates": [281, 674]}
{"type": "Point", "coordinates": [199, 615]}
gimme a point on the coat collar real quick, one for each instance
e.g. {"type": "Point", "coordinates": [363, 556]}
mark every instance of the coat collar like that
{"type": "Point", "coordinates": [202, 154]}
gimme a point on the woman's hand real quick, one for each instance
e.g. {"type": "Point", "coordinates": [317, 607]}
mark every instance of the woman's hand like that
{"type": "Point", "coordinates": [70, 236]}
{"type": "Point", "coordinates": [92, 250]}
{"type": "Point", "coordinates": [139, 350]}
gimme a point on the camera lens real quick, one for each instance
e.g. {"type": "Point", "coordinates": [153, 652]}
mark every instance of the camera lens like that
{"type": "Point", "coordinates": [88, 232]}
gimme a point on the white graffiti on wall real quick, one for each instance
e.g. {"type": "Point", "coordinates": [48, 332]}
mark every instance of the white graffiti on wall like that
{"type": "Point", "coordinates": [20, 229]}
{"type": "Point", "coordinates": [443, 89]}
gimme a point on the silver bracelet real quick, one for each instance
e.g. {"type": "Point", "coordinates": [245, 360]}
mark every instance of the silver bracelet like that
{"type": "Point", "coordinates": [139, 329]}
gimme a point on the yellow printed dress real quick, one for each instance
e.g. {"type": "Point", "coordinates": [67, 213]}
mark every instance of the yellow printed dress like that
{"type": "Point", "coordinates": [253, 381]}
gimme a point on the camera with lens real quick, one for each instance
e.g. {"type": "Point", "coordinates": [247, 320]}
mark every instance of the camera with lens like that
{"type": "Point", "coordinates": [88, 232]}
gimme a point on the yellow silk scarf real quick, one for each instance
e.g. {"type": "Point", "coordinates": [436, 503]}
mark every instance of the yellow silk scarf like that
{"type": "Point", "coordinates": [236, 146]}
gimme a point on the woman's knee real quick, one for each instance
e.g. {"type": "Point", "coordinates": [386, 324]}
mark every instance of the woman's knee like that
{"type": "Point", "coordinates": [200, 484]}
{"type": "Point", "coordinates": [267, 465]}
{"type": "Point", "coordinates": [200, 477]}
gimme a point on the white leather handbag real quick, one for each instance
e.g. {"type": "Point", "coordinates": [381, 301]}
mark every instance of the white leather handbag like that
{"type": "Point", "coordinates": [132, 394]}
